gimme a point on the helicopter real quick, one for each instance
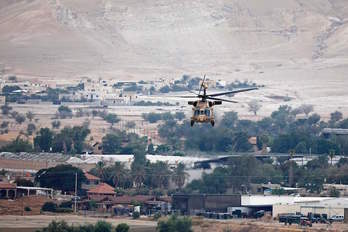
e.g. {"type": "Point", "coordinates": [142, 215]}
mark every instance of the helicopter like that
{"type": "Point", "coordinates": [202, 109]}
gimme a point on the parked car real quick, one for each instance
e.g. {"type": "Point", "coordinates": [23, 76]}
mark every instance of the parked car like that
{"type": "Point", "coordinates": [304, 221]}
{"type": "Point", "coordinates": [290, 219]}
{"type": "Point", "coordinates": [336, 218]}
{"type": "Point", "coordinates": [259, 214]}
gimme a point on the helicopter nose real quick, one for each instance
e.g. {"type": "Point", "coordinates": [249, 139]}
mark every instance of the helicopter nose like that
{"type": "Point", "coordinates": [201, 118]}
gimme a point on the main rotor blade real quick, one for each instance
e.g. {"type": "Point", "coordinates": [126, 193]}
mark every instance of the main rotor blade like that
{"type": "Point", "coordinates": [232, 92]}
{"type": "Point", "coordinates": [200, 88]}
{"type": "Point", "coordinates": [185, 96]}
{"type": "Point", "coordinates": [218, 99]}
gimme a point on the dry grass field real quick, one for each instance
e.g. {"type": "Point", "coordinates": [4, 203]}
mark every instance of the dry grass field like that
{"type": "Point", "coordinates": [199, 225]}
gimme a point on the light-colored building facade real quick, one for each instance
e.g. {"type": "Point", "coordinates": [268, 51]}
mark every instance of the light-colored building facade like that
{"type": "Point", "coordinates": [330, 207]}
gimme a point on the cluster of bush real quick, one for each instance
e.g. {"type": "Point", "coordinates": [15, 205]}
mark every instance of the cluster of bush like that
{"type": "Point", "coordinates": [100, 226]}
{"type": "Point", "coordinates": [172, 224]}
{"type": "Point", "coordinates": [64, 207]}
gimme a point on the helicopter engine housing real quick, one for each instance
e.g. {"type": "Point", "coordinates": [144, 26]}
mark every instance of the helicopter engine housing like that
{"type": "Point", "coordinates": [217, 102]}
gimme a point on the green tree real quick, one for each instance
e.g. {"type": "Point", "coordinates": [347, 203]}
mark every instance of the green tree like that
{"type": "Point", "coordinates": [230, 119]}
{"type": "Point", "coordinates": [49, 207]}
{"type": "Point", "coordinates": [4, 124]}
{"type": "Point", "coordinates": [306, 108]}
{"type": "Point", "coordinates": [162, 148]}
{"type": "Point", "coordinates": [119, 173]}
{"type": "Point", "coordinates": [30, 115]}
{"type": "Point", "coordinates": [60, 177]}
{"type": "Point", "coordinates": [123, 227]}
{"type": "Point", "coordinates": [335, 117]}
{"type": "Point", "coordinates": [112, 119]}
{"type": "Point", "coordinates": [59, 226]}
{"type": "Point", "coordinates": [102, 226]}
{"type": "Point", "coordinates": [20, 118]}
{"type": "Point", "coordinates": [43, 141]}
{"type": "Point", "coordinates": [175, 224]}
{"type": "Point", "coordinates": [151, 149]}
{"type": "Point", "coordinates": [138, 170]}
{"type": "Point", "coordinates": [6, 109]}
{"type": "Point", "coordinates": [18, 145]}
{"type": "Point", "coordinates": [157, 175]}
{"type": "Point", "coordinates": [179, 175]}
{"type": "Point", "coordinates": [165, 89]}
{"type": "Point", "coordinates": [152, 117]}
{"type": "Point", "coordinates": [99, 168]}
{"type": "Point", "coordinates": [70, 140]}
{"type": "Point", "coordinates": [64, 112]}
{"type": "Point", "coordinates": [56, 124]}
{"type": "Point", "coordinates": [254, 106]}
{"type": "Point", "coordinates": [24, 182]}
{"type": "Point", "coordinates": [111, 143]}
{"type": "Point", "coordinates": [31, 128]}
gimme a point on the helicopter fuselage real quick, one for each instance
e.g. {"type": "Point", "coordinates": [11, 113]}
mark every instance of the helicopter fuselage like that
{"type": "Point", "coordinates": [203, 112]}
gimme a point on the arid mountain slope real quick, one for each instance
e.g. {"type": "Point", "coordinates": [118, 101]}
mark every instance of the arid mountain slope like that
{"type": "Point", "coordinates": [300, 42]}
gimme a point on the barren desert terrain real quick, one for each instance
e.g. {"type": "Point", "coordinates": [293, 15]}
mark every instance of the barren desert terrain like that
{"type": "Point", "coordinates": [295, 47]}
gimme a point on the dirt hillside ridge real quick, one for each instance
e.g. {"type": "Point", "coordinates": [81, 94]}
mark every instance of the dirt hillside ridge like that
{"type": "Point", "coordinates": [295, 47]}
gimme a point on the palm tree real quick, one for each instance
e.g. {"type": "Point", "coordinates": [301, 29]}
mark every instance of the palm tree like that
{"type": "Point", "coordinates": [332, 155]}
{"type": "Point", "coordinates": [160, 174]}
{"type": "Point", "coordinates": [179, 175]}
{"type": "Point", "coordinates": [119, 173]}
{"type": "Point", "coordinates": [138, 173]}
{"type": "Point", "coordinates": [100, 169]}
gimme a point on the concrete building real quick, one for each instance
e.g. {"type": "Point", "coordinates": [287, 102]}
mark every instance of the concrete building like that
{"type": "Point", "coordinates": [189, 204]}
{"type": "Point", "coordinates": [330, 207]}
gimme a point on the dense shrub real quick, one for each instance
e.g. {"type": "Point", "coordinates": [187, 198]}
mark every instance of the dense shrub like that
{"type": "Point", "coordinates": [136, 215]}
{"type": "Point", "coordinates": [49, 207]}
{"type": "Point", "coordinates": [123, 227]}
{"type": "Point", "coordinates": [102, 226]}
{"type": "Point", "coordinates": [65, 204]}
{"type": "Point", "coordinates": [64, 210]}
{"type": "Point", "coordinates": [175, 224]}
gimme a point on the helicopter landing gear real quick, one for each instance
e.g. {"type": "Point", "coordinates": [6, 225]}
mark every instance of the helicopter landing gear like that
{"type": "Point", "coordinates": [192, 122]}
{"type": "Point", "coordinates": [212, 123]}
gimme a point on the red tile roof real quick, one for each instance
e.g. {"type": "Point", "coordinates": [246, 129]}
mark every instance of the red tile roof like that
{"type": "Point", "coordinates": [6, 185]}
{"type": "Point", "coordinates": [91, 177]}
{"type": "Point", "coordinates": [102, 189]}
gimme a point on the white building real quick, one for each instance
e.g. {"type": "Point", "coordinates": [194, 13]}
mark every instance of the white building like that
{"type": "Point", "coordinates": [328, 206]}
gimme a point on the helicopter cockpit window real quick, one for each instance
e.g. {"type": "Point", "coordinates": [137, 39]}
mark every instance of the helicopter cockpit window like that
{"type": "Point", "coordinates": [196, 112]}
{"type": "Point", "coordinates": [207, 112]}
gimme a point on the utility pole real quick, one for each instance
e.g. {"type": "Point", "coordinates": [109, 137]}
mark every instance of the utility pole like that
{"type": "Point", "coordinates": [75, 192]}
{"type": "Point", "coordinates": [291, 170]}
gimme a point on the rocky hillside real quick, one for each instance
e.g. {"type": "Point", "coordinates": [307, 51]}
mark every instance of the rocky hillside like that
{"type": "Point", "coordinates": [303, 42]}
